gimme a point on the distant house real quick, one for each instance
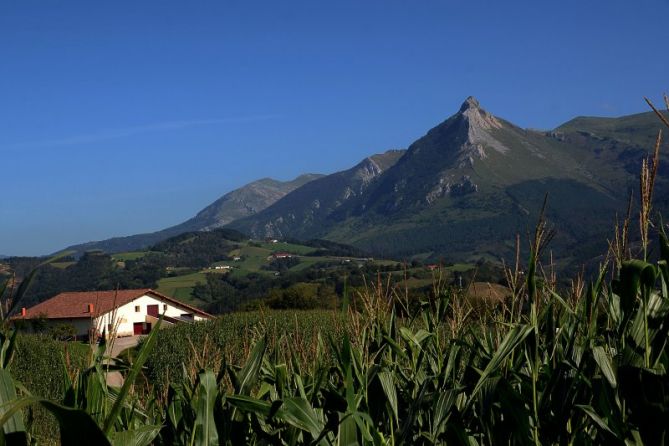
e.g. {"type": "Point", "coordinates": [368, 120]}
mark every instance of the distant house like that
{"type": "Point", "coordinates": [432, 267]}
{"type": "Point", "coordinates": [125, 312]}
{"type": "Point", "coordinates": [282, 255]}
{"type": "Point", "coordinates": [224, 267]}
{"type": "Point", "coordinates": [236, 258]}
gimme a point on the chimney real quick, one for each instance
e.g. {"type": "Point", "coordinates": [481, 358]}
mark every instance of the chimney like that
{"type": "Point", "coordinates": [90, 308]}
{"type": "Point", "coordinates": [23, 312]}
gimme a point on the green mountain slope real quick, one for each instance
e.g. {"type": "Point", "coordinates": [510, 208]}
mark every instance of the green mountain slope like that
{"type": "Point", "coordinates": [612, 148]}
{"type": "Point", "coordinates": [304, 212]}
{"type": "Point", "coordinates": [466, 188]}
{"type": "Point", "coordinates": [461, 192]}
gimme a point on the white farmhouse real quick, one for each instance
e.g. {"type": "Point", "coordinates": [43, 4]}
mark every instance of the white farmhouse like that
{"type": "Point", "coordinates": [124, 312]}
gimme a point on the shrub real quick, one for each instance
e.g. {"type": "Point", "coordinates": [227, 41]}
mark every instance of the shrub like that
{"type": "Point", "coordinates": [63, 332]}
{"type": "Point", "coordinates": [39, 363]}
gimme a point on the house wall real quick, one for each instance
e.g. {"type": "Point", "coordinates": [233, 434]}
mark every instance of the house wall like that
{"type": "Point", "coordinates": [81, 326]}
{"type": "Point", "coordinates": [126, 316]}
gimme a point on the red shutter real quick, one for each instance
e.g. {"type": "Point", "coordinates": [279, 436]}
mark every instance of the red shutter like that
{"type": "Point", "coordinates": [137, 328]}
{"type": "Point", "coordinates": [152, 310]}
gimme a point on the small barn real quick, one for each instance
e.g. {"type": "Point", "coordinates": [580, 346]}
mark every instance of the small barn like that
{"type": "Point", "coordinates": [123, 312]}
{"type": "Point", "coordinates": [281, 255]}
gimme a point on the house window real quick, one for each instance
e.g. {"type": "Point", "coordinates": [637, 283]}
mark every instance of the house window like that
{"type": "Point", "coordinates": [164, 307]}
{"type": "Point", "coordinates": [136, 308]}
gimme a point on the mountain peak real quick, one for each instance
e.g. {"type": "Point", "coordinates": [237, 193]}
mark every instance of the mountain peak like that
{"type": "Point", "coordinates": [470, 103]}
{"type": "Point", "coordinates": [477, 118]}
{"type": "Point", "coordinates": [476, 128]}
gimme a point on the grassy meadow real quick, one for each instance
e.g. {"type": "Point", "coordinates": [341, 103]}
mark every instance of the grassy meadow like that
{"type": "Point", "coordinates": [181, 287]}
{"type": "Point", "coordinates": [254, 258]}
{"type": "Point", "coordinates": [132, 255]}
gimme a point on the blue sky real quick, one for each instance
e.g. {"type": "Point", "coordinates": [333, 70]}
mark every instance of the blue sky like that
{"type": "Point", "coordinates": [125, 117]}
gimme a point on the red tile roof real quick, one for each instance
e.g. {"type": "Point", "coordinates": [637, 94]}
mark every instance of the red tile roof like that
{"type": "Point", "coordinates": [74, 305]}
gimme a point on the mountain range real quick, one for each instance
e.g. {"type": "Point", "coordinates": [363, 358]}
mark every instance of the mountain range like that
{"type": "Point", "coordinates": [242, 202]}
{"type": "Point", "coordinates": [461, 192]}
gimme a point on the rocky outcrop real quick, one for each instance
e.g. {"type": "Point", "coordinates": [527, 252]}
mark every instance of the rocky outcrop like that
{"type": "Point", "coordinates": [448, 187]}
{"type": "Point", "coordinates": [478, 124]}
{"type": "Point", "coordinates": [247, 200]}
{"type": "Point", "coordinates": [304, 209]}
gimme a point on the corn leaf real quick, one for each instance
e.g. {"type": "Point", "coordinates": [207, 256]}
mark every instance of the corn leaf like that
{"type": "Point", "coordinates": [248, 374]}
{"type": "Point", "coordinates": [299, 413]}
{"type": "Point", "coordinates": [506, 347]}
{"type": "Point", "coordinates": [388, 385]}
{"type": "Point", "coordinates": [13, 426]}
{"type": "Point", "coordinates": [603, 360]}
{"type": "Point", "coordinates": [347, 434]}
{"type": "Point", "coordinates": [141, 436]}
{"type": "Point", "coordinates": [596, 418]}
{"type": "Point", "coordinates": [204, 404]}
{"type": "Point", "coordinates": [249, 404]}
{"type": "Point", "coordinates": [130, 378]}
{"type": "Point", "coordinates": [76, 426]}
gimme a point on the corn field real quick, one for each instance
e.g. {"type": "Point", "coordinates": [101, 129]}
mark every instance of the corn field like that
{"type": "Point", "coordinates": [586, 368]}
{"type": "Point", "coordinates": [231, 338]}
{"type": "Point", "coordinates": [585, 365]}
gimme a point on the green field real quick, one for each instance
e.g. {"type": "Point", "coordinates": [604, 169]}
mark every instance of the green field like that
{"type": "Point", "coordinates": [133, 255]}
{"type": "Point", "coordinates": [287, 247]}
{"type": "Point", "coordinates": [255, 257]}
{"type": "Point", "coordinates": [181, 287]}
{"type": "Point", "coordinates": [62, 265]}
{"type": "Point", "coordinates": [252, 258]}
{"type": "Point", "coordinates": [460, 267]}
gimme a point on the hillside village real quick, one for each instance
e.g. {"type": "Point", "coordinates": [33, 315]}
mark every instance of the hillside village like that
{"type": "Point", "coordinates": [240, 273]}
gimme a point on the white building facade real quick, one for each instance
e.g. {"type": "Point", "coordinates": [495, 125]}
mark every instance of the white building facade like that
{"type": "Point", "coordinates": [119, 313]}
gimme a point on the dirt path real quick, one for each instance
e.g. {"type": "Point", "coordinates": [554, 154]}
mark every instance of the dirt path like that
{"type": "Point", "coordinates": [115, 379]}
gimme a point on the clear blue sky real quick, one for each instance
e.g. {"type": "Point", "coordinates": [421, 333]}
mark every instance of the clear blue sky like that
{"type": "Point", "coordinates": [129, 116]}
